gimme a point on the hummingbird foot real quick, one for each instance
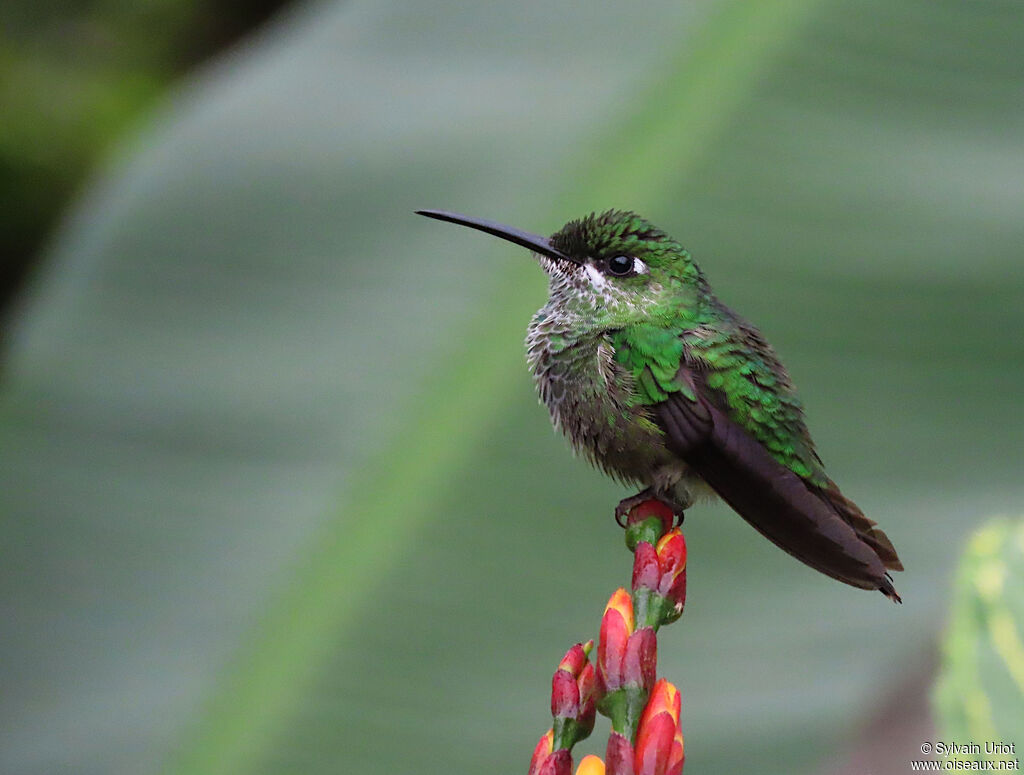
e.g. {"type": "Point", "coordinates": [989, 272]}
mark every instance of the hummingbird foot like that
{"type": "Point", "coordinates": [649, 494]}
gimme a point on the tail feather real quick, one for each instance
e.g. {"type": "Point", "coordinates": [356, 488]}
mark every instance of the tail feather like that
{"type": "Point", "coordinates": [867, 530]}
{"type": "Point", "coordinates": [821, 528]}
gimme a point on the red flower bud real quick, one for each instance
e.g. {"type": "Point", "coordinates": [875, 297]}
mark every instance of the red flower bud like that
{"type": "Point", "coordinates": [548, 762]}
{"type": "Point", "coordinates": [565, 695]}
{"type": "Point", "coordinates": [576, 657]}
{"type": "Point", "coordinates": [541, 752]}
{"type": "Point", "coordinates": [618, 756]}
{"type": "Point", "coordinates": [588, 699]}
{"type": "Point", "coordinates": [616, 629]}
{"type": "Point", "coordinates": [659, 578]}
{"type": "Point", "coordinates": [659, 739]}
{"type": "Point", "coordinates": [646, 568]}
{"type": "Point", "coordinates": [624, 656]}
{"type": "Point", "coordinates": [558, 763]}
{"type": "Point", "coordinates": [640, 661]}
{"type": "Point", "coordinates": [671, 550]}
{"type": "Point", "coordinates": [651, 508]}
{"type": "Point", "coordinates": [573, 704]}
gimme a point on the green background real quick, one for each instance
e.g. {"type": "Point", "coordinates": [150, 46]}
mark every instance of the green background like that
{"type": "Point", "coordinates": [276, 493]}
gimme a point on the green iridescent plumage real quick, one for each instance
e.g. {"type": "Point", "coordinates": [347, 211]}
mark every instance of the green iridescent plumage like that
{"type": "Point", "coordinates": [660, 384]}
{"type": "Point", "coordinates": [741, 370]}
{"type": "Point", "coordinates": [652, 355]}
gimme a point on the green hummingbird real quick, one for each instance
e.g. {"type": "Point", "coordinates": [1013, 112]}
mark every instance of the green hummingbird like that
{"type": "Point", "coordinates": [662, 386]}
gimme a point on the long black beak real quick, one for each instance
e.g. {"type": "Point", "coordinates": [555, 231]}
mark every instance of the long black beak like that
{"type": "Point", "coordinates": [533, 242]}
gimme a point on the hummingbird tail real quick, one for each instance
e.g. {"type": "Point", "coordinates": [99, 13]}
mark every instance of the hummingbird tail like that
{"type": "Point", "coordinates": [821, 528]}
{"type": "Point", "coordinates": [868, 532]}
{"type": "Point", "coordinates": [866, 529]}
{"type": "Point", "coordinates": [889, 590]}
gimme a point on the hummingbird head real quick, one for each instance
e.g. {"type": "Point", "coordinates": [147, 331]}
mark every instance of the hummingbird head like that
{"type": "Point", "coordinates": [610, 269]}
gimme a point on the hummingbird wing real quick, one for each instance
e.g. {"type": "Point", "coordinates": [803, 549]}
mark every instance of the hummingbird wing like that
{"type": "Point", "coordinates": [777, 502]}
{"type": "Point", "coordinates": [730, 411]}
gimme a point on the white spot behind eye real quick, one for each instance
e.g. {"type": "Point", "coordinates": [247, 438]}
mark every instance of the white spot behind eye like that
{"type": "Point", "coordinates": [639, 266]}
{"type": "Point", "coordinates": [596, 278]}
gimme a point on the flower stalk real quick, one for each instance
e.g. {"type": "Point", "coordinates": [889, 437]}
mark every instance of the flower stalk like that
{"type": "Point", "coordinates": [646, 736]}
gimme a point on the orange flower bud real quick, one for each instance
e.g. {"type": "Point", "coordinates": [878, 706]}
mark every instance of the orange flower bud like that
{"type": "Point", "coordinates": [622, 603]}
{"type": "Point", "coordinates": [591, 765]}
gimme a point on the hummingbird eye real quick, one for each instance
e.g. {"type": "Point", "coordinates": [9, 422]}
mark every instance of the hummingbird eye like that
{"type": "Point", "coordinates": [620, 266]}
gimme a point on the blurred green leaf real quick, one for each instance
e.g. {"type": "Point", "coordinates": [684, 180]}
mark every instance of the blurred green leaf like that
{"type": "Point", "coordinates": [277, 491]}
{"type": "Point", "coordinates": [73, 76]}
{"type": "Point", "coordinates": [980, 692]}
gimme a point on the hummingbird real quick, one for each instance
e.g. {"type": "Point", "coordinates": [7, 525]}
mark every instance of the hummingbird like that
{"type": "Point", "coordinates": [662, 386]}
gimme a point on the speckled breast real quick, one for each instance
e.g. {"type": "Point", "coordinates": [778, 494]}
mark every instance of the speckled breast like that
{"type": "Point", "coordinates": [589, 397]}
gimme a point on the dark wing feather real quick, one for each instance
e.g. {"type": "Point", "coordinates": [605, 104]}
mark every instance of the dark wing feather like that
{"type": "Point", "coordinates": [817, 526]}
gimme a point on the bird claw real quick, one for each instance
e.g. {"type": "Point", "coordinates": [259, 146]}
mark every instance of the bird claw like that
{"type": "Point", "coordinates": [628, 504]}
